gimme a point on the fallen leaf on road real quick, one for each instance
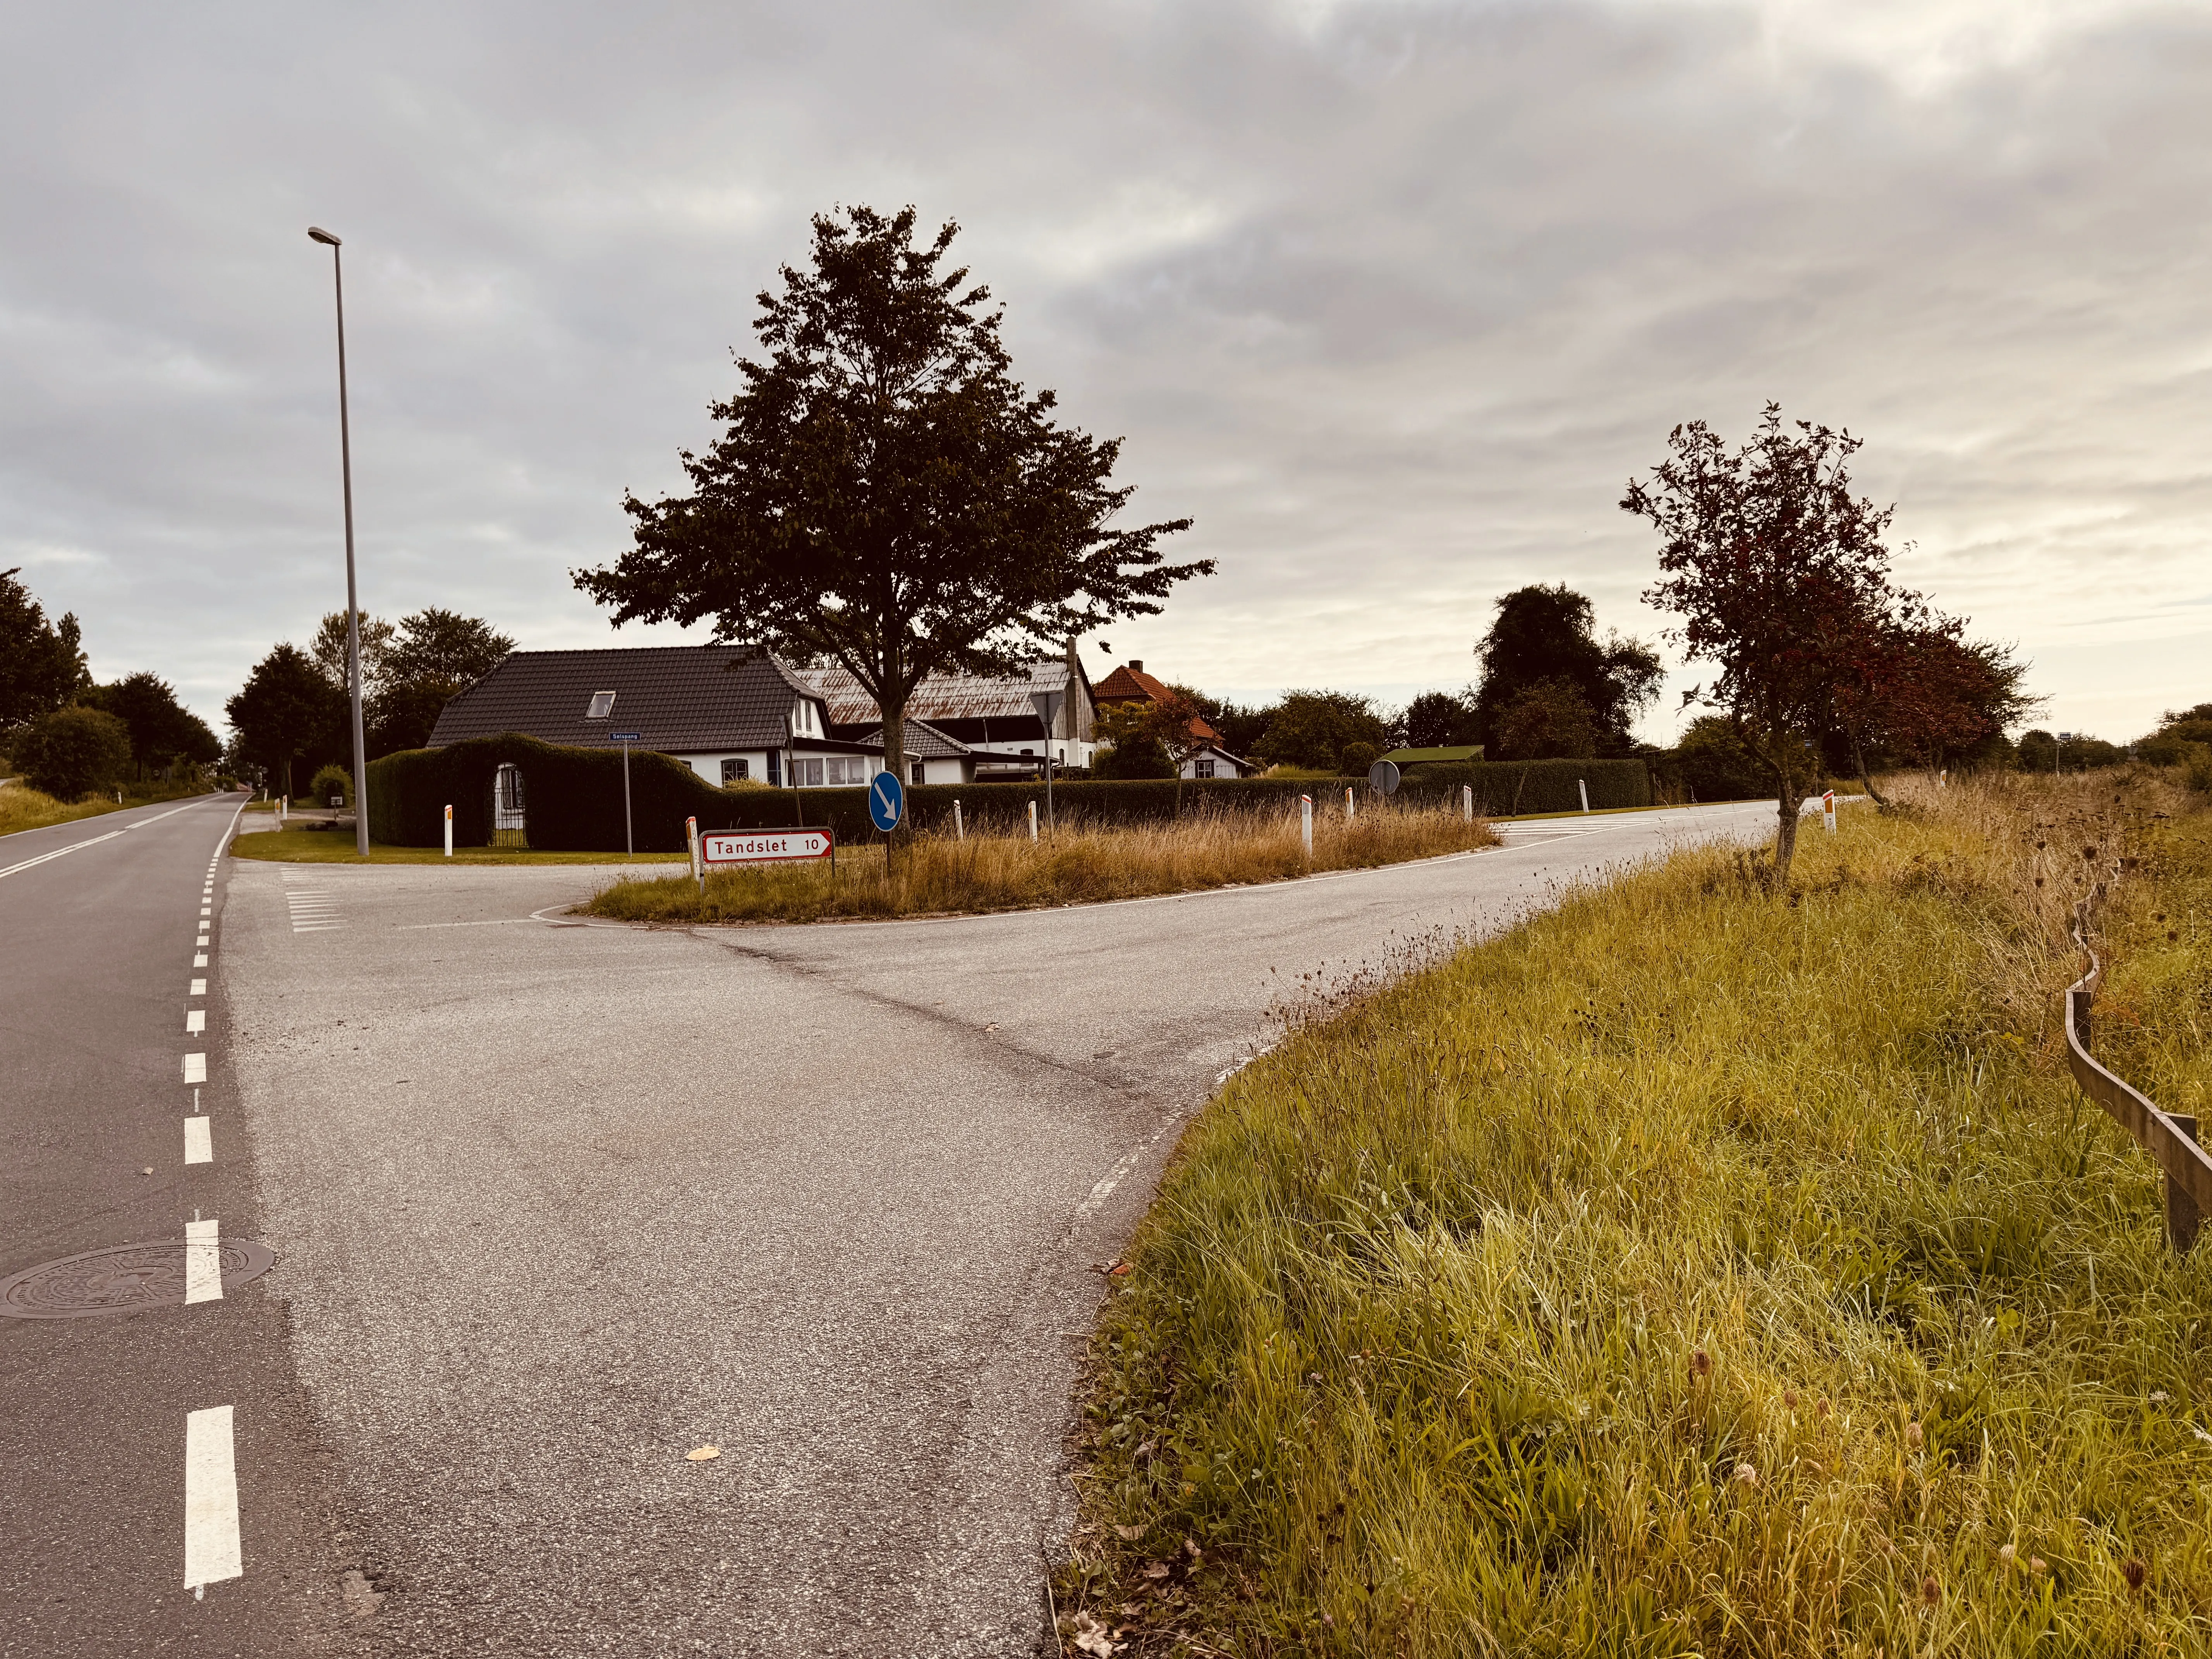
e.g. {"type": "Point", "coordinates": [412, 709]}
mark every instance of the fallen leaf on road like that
{"type": "Point", "coordinates": [992, 1026]}
{"type": "Point", "coordinates": [703, 1454]}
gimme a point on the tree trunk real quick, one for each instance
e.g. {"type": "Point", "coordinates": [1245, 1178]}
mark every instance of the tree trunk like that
{"type": "Point", "coordinates": [1866, 782]}
{"type": "Point", "coordinates": [1785, 833]}
{"type": "Point", "coordinates": [895, 763]}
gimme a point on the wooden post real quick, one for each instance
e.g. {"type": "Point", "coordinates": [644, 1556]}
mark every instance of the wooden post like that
{"type": "Point", "coordinates": [2183, 1218]}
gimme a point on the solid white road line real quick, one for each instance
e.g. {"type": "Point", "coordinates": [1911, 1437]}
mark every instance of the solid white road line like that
{"type": "Point", "coordinates": [195, 1020]}
{"type": "Point", "coordinates": [196, 1068]}
{"type": "Point", "coordinates": [211, 1546]}
{"type": "Point", "coordinates": [203, 1261]}
{"type": "Point", "coordinates": [198, 1148]}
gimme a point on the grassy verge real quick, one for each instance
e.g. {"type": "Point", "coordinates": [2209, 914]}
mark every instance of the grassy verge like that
{"type": "Point", "coordinates": [1689, 1272]}
{"type": "Point", "coordinates": [23, 808]}
{"type": "Point", "coordinates": [336, 847]}
{"type": "Point", "coordinates": [1076, 866]}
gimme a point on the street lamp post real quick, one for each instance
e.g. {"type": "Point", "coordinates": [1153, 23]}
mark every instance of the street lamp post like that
{"type": "Point", "coordinates": [353, 604]}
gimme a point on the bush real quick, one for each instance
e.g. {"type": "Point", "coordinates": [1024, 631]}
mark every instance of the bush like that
{"type": "Point", "coordinates": [1357, 758]}
{"type": "Point", "coordinates": [574, 798]}
{"type": "Point", "coordinates": [1712, 762]}
{"type": "Point", "coordinates": [331, 780]}
{"type": "Point", "coordinates": [71, 752]}
{"type": "Point", "coordinates": [1135, 757]}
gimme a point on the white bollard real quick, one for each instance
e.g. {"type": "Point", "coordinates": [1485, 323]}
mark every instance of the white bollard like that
{"type": "Point", "coordinates": [691, 841]}
{"type": "Point", "coordinates": [449, 832]}
{"type": "Point", "coordinates": [1033, 836]}
{"type": "Point", "coordinates": [1350, 807]}
{"type": "Point", "coordinates": [1828, 811]}
{"type": "Point", "coordinates": [1584, 788]}
{"type": "Point", "coordinates": [959, 829]}
{"type": "Point", "coordinates": [1467, 802]}
{"type": "Point", "coordinates": [1305, 823]}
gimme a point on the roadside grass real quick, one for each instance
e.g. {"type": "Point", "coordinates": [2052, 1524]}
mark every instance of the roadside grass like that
{"type": "Point", "coordinates": [1688, 1271]}
{"type": "Point", "coordinates": [336, 847]}
{"type": "Point", "coordinates": [1076, 865]}
{"type": "Point", "coordinates": [25, 808]}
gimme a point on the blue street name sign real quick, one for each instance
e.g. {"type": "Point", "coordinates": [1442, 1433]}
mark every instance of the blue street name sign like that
{"type": "Point", "coordinates": [623, 737]}
{"type": "Point", "coordinates": [886, 801]}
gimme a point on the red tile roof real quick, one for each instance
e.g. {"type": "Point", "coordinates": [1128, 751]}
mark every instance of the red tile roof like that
{"type": "Point", "coordinates": [1127, 684]}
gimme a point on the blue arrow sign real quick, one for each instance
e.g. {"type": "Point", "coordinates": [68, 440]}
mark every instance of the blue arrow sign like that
{"type": "Point", "coordinates": [886, 801]}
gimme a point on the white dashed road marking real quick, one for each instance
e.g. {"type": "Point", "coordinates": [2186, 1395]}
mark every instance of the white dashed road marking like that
{"type": "Point", "coordinates": [196, 1068]}
{"type": "Point", "coordinates": [195, 1020]}
{"type": "Point", "coordinates": [200, 959]}
{"type": "Point", "coordinates": [211, 1546]}
{"type": "Point", "coordinates": [203, 1263]}
{"type": "Point", "coordinates": [199, 988]}
{"type": "Point", "coordinates": [198, 1148]}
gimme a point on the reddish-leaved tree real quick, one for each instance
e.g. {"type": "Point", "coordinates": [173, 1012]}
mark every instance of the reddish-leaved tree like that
{"type": "Point", "coordinates": [1779, 573]}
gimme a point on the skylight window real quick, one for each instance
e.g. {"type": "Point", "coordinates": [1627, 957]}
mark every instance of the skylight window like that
{"type": "Point", "coordinates": [603, 704]}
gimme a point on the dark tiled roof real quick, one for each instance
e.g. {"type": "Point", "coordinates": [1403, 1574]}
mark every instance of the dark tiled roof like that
{"type": "Point", "coordinates": [923, 742]}
{"type": "Point", "coordinates": [679, 699]}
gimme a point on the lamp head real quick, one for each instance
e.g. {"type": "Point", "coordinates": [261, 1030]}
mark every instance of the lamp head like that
{"type": "Point", "coordinates": [316, 233]}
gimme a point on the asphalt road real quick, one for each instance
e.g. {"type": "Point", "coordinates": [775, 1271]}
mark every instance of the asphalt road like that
{"type": "Point", "coordinates": [100, 920]}
{"type": "Point", "coordinates": [556, 1205]}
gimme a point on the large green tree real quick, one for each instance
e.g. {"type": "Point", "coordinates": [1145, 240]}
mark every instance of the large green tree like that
{"type": "Point", "coordinates": [42, 666]}
{"type": "Point", "coordinates": [1546, 636]}
{"type": "Point", "coordinates": [286, 711]}
{"type": "Point", "coordinates": [431, 658]}
{"type": "Point", "coordinates": [163, 730]}
{"type": "Point", "coordinates": [885, 496]}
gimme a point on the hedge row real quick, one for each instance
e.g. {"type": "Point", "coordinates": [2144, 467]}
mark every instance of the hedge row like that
{"type": "Point", "coordinates": [573, 797]}
{"type": "Point", "coordinates": [1503, 789]}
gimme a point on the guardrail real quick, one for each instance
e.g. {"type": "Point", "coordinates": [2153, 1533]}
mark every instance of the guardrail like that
{"type": "Point", "coordinates": [2169, 1138]}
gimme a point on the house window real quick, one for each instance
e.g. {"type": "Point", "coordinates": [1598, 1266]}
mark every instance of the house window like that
{"type": "Point", "coordinates": [1205, 768]}
{"type": "Point", "coordinates": [807, 773]}
{"type": "Point", "coordinates": [847, 769]}
{"type": "Point", "coordinates": [603, 704]}
{"type": "Point", "coordinates": [733, 771]}
{"type": "Point", "coordinates": [775, 769]}
{"type": "Point", "coordinates": [917, 771]}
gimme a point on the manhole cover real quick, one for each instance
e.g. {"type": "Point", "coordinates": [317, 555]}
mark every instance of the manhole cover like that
{"type": "Point", "coordinates": [121, 1281]}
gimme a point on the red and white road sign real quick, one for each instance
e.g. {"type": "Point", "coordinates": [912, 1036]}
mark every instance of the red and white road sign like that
{"type": "Point", "coordinates": [764, 846]}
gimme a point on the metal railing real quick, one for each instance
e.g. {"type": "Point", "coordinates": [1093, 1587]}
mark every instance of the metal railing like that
{"type": "Point", "coordinates": [2169, 1138]}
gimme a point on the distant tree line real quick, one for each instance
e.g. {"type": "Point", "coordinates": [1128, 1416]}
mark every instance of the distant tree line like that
{"type": "Point", "coordinates": [71, 736]}
{"type": "Point", "coordinates": [294, 715]}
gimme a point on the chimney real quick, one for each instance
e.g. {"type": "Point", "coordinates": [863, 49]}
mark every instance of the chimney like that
{"type": "Point", "coordinates": [1136, 664]}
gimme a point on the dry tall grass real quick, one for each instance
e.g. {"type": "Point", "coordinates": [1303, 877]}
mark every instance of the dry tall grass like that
{"type": "Point", "coordinates": [1076, 865]}
{"type": "Point", "coordinates": [24, 808]}
{"type": "Point", "coordinates": [1689, 1272]}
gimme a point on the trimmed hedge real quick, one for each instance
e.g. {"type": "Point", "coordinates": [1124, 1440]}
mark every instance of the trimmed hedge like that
{"type": "Point", "coordinates": [1504, 788]}
{"type": "Point", "coordinates": [573, 797]}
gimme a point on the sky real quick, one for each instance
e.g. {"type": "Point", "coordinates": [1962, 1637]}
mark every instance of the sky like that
{"type": "Point", "coordinates": [1391, 299]}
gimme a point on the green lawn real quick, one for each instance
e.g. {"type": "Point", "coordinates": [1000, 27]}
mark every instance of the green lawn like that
{"type": "Point", "coordinates": [336, 847]}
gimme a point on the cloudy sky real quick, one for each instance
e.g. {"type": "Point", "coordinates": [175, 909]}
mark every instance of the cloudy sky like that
{"type": "Point", "coordinates": [1391, 299]}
